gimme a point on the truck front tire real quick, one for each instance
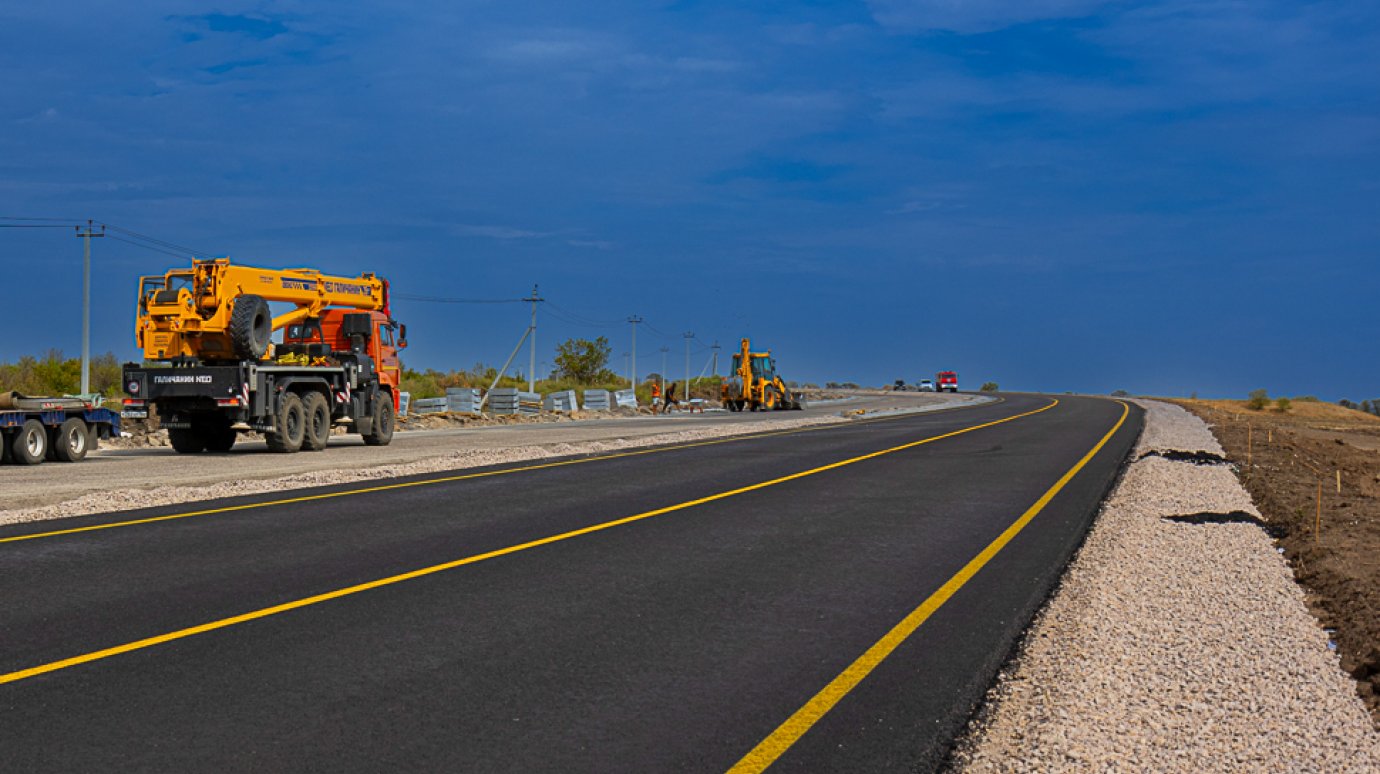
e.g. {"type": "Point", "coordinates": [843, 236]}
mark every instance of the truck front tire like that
{"type": "Point", "coordinates": [382, 431]}
{"type": "Point", "coordinates": [29, 445]}
{"type": "Point", "coordinates": [289, 427]}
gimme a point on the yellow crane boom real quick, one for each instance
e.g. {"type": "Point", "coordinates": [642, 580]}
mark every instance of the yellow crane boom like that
{"type": "Point", "coordinates": [219, 311]}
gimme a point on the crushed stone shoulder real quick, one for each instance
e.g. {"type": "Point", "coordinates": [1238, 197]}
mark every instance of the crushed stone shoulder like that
{"type": "Point", "coordinates": [1174, 645]}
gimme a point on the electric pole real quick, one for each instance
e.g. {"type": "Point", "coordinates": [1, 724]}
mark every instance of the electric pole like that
{"type": "Point", "coordinates": [86, 304]}
{"type": "Point", "coordinates": [715, 347]}
{"type": "Point", "coordinates": [632, 373]}
{"type": "Point", "coordinates": [664, 350]}
{"type": "Point", "coordinates": [686, 391]}
{"type": "Point", "coordinates": [532, 358]}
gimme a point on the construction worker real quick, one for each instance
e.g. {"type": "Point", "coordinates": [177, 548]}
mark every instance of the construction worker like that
{"type": "Point", "coordinates": [670, 399]}
{"type": "Point", "coordinates": [656, 394]}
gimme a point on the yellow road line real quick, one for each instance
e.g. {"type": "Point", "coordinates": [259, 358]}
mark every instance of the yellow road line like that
{"type": "Point", "coordinates": [788, 733]}
{"type": "Point", "coordinates": [451, 479]}
{"type": "Point", "coordinates": [388, 581]}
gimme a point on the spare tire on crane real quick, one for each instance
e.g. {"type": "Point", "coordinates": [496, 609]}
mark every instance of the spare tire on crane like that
{"type": "Point", "coordinates": [251, 327]}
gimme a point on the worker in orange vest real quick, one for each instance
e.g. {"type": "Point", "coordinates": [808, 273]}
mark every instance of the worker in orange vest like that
{"type": "Point", "coordinates": [656, 394]}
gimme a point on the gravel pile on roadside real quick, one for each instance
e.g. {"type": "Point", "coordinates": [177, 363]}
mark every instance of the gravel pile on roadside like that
{"type": "Point", "coordinates": [1174, 645]}
{"type": "Point", "coordinates": [129, 499]}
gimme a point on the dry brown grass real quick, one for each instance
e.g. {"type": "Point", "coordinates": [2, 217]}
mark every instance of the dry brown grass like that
{"type": "Point", "coordinates": [1306, 411]}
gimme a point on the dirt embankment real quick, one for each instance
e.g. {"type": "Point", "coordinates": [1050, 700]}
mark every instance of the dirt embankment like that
{"type": "Point", "coordinates": [1291, 463]}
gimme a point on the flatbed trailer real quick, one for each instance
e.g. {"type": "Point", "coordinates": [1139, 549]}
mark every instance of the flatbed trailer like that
{"type": "Point", "coordinates": [63, 429]}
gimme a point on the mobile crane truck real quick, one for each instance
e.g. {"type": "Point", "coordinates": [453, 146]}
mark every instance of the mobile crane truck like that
{"type": "Point", "coordinates": [211, 370]}
{"type": "Point", "coordinates": [754, 383]}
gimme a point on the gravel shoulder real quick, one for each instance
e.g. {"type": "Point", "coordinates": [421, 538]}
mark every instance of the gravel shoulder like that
{"type": "Point", "coordinates": [1178, 640]}
{"type": "Point", "coordinates": [126, 479]}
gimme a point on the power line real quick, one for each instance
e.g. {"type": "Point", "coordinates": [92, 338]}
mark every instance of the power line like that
{"type": "Point", "coordinates": [585, 319]}
{"type": "Point", "coordinates": [146, 247]}
{"type": "Point", "coordinates": [68, 221]}
{"type": "Point", "coordinates": [161, 242]}
{"type": "Point", "coordinates": [444, 300]}
{"type": "Point", "coordinates": [35, 225]}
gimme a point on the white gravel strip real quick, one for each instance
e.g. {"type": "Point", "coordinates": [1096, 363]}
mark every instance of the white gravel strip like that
{"type": "Point", "coordinates": [130, 499]}
{"type": "Point", "coordinates": [1172, 646]}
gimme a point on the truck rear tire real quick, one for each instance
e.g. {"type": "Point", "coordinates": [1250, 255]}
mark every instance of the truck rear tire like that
{"type": "Point", "coordinates": [251, 327]}
{"type": "Point", "coordinates": [382, 431]}
{"type": "Point", "coordinates": [29, 445]}
{"type": "Point", "coordinates": [318, 421]}
{"type": "Point", "coordinates": [289, 427]}
{"type": "Point", "coordinates": [186, 440]}
{"type": "Point", "coordinates": [72, 441]}
{"type": "Point", "coordinates": [220, 439]}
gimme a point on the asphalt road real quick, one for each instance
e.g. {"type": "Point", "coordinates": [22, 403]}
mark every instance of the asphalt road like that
{"type": "Point", "coordinates": [835, 599]}
{"type": "Point", "coordinates": [114, 468]}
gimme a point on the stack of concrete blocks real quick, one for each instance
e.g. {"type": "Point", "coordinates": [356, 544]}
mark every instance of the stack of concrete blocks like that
{"type": "Point", "coordinates": [529, 403]}
{"type": "Point", "coordinates": [428, 406]}
{"type": "Point", "coordinates": [503, 400]}
{"type": "Point", "coordinates": [561, 401]}
{"type": "Point", "coordinates": [597, 400]}
{"type": "Point", "coordinates": [404, 402]}
{"type": "Point", "coordinates": [462, 400]}
{"type": "Point", "coordinates": [625, 399]}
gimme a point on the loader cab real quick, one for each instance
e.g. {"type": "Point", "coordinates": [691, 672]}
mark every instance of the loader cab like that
{"type": "Point", "coordinates": [764, 368]}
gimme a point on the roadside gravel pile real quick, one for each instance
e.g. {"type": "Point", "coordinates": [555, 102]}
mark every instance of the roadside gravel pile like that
{"type": "Point", "coordinates": [130, 499]}
{"type": "Point", "coordinates": [1174, 645]}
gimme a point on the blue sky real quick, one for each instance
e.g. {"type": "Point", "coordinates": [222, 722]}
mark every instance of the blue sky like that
{"type": "Point", "coordinates": [1054, 194]}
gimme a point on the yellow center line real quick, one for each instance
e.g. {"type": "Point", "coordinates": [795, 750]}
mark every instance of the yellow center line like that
{"type": "Point", "coordinates": [788, 733]}
{"type": "Point", "coordinates": [85, 658]}
{"type": "Point", "coordinates": [461, 477]}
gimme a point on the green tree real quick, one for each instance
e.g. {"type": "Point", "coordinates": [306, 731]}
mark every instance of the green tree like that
{"type": "Point", "coordinates": [989, 387]}
{"type": "Point", "coordinates": [1258, 400]}
{"type": "Point", "coordinates": [1120, 394]}
{"type": "Point", "coordinates": [584, 361]}
{"type": "Point", "coordinates": [1283, 404]}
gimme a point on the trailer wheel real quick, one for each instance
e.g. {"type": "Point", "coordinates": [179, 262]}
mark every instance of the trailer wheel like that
{"type": "Point", "coordinates": [289, 427]}
{"type": "Point", "coordinates": [186, 440]}
{"type": "Point", "coordinates": [251, 327]}
{"type": "Point", "coordinates": [72, 441]}
{"type": "Point", "coordinates": [30, 445]}
{"type": "Point", "coordinates": [382, 431]}
{"type": "Point", "coordinates": [318, 421]}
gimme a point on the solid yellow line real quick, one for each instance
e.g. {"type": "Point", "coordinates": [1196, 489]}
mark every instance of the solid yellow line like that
{"type": "Point", "coordinates": [451, 479]}
{"type": "Point", "coordinates": [789, 732]}
{"type": "Point", "coordinates": [374, 584]}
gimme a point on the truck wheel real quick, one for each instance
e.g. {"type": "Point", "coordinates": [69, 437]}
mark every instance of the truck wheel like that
{"type": "Point", "coordinates": [251, 327]}
{"type": "Point", "coordinates": [73, 440]}
{"type": "Point", "coordinates": [220, 439]}
{"type": "Point", "coordinates": [382, 431]}
{"type": "Point", "coordinates": [186, 440]}
{"type": "Point", "coordinates": [289, 427]}
{"type": "Point", "coordinates": [30, 445]}
{"type": "Point", "coordinates": [318, 421]}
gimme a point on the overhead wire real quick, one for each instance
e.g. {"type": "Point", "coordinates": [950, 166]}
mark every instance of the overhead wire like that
{"type": "Point", "coordinates": [160, 242]}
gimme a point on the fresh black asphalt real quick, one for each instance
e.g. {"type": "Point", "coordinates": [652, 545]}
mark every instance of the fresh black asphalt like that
{"type": "Point", "coordinates": [674, 643]}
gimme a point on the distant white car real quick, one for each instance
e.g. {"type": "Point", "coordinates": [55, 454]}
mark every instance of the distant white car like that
{"type": "Point", "coordinates": [926, 385]}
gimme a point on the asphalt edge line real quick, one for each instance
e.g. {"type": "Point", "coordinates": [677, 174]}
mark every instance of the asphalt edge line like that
{"type": "Point", "coordinates": [253, 615]}
{"type": "Point", "coordinates": [467, 476]}
{"type": "Point", "coordinates": [802, 720]}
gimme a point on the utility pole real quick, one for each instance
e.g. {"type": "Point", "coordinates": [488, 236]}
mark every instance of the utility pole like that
{"type": "Point", "coordinates": [686, 392]}
{"type": "Point", "coordinates": [86, 304]}
{"type": "Point", "coordinates": [632, 373]}
{"type": "Point", "coordinates": [715, 347]}
{"type": "Point", "coordinates": [664, 350]}
{"type": "Point", "coordinates": [532, 358]}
